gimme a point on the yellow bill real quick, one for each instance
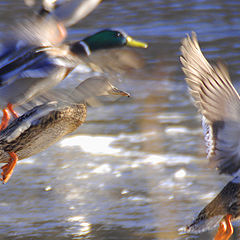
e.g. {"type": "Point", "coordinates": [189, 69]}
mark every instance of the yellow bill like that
{"type": "Point", "coordinates": [134, 43]}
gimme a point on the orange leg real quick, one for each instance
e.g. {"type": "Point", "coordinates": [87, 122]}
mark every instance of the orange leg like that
{"type": "Point", "coordinates": [225, 229]}
{"type": "Point", "coordinates": [10, 108]}
{"type": "Point", "coordinates": [5, 119]}
{"type": "Point", "coordinates": [62, 32]}
{"type": "Point", "coordinates": [8, 168]}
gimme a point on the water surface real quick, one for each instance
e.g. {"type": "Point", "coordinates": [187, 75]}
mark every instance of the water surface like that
{"type": "Point", "coordinates": [137, 168]}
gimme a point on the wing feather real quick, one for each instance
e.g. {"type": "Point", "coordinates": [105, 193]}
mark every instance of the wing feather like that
{"type": "Point", "coordinates": [218, 102]}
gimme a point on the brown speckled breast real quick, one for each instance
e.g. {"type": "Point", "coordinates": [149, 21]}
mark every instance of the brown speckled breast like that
{"type": "Point", "coordinates": [43, 131]}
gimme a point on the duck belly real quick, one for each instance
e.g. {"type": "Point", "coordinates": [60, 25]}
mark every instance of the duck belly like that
{"type": "Point", "coordinates": [40, 136]}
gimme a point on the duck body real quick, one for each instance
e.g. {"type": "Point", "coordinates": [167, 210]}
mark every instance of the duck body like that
{"type": "Point", "coordinates": [39, 128]}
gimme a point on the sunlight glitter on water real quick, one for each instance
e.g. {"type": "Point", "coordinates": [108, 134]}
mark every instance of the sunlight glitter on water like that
{"type": "Point", "coordinates": [180, 173]}
{"type": "Point", "coordinates": [91, 144]}
{"type": "Point", "coordinates": [171, 118]}
{"type": "Point", "coordinates": [143, 173]}
{"type": "Point", "coordinates": [102, 145]}
{"type": "Point", "coordinates": [102, 169]}
{"type": "Point", "coordinates": [82, 227]}
{"type": "Point", "coordinates": [208, 196]}
{"type": "Point", "coordinates": [30, 160]}
{"type": "Point", "coordinates": [176, 130]}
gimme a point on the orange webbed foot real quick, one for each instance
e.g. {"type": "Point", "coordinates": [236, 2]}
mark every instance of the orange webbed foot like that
{"type": "Point", "coordinates": [13, 112]}
{"type": "Point", "coordinates": [225, 229]}
{"type": "Point", "coordinates": [5, 119]}
{"type": "Point", "coordinates": [8, 168]}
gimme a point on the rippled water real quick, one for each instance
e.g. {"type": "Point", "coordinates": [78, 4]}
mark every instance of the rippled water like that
{"type": "Point", "coordinates": [137, 168]}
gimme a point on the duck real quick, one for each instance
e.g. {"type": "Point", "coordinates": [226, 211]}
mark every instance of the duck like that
{"type": "Point", "coordinates": [47, 27]}
{"type": "Point", "coordinates": [45, 124]}
{"type": "Point", "coordinates": [68, 12]}
{"type": "Point", "coordinates": [224, 208]}
{"type": "Point", "coordinates": [219, 104]}
{"type": "Point", "coordinates": [42, 68]}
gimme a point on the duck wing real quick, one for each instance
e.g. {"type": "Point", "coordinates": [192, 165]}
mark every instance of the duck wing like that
{"type": "Point", "coordinates": [12, 69]}
{"type": "Point", "coordinates": [113, 61]}
{"type": "Point", "coordinates": [69, 12]}
{"type": "Point", "coordinates": [25, 121]}
{"type": "Point", "coordinates": [40, 62]}
{"type": "Point", "coordinates": [218, 102]}
{"type": "Point", "coordinates": [72, 11]}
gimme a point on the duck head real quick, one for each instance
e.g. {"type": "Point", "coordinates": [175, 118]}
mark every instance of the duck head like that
{"type": "Point", "coordinates": [98, 86]}
{"type": "Point", "coordinates": [105, 39]}
{"type": "Point", "coordinates": [93, 87]}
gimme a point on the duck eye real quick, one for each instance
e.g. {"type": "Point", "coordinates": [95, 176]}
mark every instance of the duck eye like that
{"type": "Point", "coordinates": [118, 34]}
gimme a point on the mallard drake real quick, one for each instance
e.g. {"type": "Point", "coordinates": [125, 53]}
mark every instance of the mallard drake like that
{"type": "Point", "coordinates": [45, 124]}
{"type": "Point", "coordinates": [44, 67]}
{"type": "Point", "coordinates": [219, 103]}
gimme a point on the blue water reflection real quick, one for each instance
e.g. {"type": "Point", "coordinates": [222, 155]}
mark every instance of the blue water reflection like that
{"type": "Point", "coordinates": [137, 168]}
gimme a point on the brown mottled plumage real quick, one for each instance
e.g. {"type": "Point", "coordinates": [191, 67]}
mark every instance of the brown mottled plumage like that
{"type": "Point", "coordinates": [48, 124]}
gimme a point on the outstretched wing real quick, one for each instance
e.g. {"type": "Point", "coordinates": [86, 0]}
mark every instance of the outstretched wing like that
{"type": "Point", "coordinates": [35, 64]}
{"type": "Point", "coordinates": [71, 12]}
{"type": "Point", "coordinates": [218, 102]}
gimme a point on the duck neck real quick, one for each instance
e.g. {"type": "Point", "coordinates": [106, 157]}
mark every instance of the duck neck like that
{"type": "Point", "coordinates": [80, 48]}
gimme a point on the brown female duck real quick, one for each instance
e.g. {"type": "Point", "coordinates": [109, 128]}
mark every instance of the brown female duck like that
{"type": "Point", "coordinates": [44, 125]}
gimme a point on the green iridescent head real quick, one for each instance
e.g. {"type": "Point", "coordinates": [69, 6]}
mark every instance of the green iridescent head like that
{"type": "Point", "coordinates": [109, 38]}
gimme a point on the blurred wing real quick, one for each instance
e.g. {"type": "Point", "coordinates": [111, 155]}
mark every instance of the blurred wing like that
{"type": "Point", "coordinates": [38, 63]}
{"type": "Point", "coordinates": [114, 60]}
{"type": "Point", "coordinates": [28, 34]}
{"type": "Point", "coordinates": [39, 31]}
{"type": "Point", "coordinates": [11, 49]}
{"type": "Point", "coordinates": [16, 67]}
{"type": "Point", "coordinates": [21, 124]}
{"type": "Point", "coordinates": [218, 102]}
{"type": "Point", "coordinates": [87, 91]}
{"type": "Point", "coordinates": [71, 12]}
